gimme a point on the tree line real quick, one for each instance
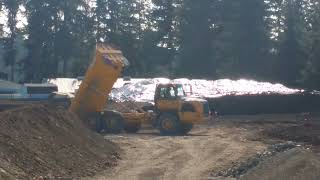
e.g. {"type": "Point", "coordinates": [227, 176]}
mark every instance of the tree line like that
{"type": "Point", "coordinates": [273, 40]}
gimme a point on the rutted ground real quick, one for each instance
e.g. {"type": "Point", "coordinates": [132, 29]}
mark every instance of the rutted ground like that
{"type": "Point", "coordinates": [149, 156]}
{"type": "Point", "coordinates": [42, 141]}
{"type": "Point", "coordinates": [219, 147]}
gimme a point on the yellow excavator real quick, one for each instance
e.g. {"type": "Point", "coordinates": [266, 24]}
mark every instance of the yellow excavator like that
{"type": "Point", "coordinates": [173, 113]}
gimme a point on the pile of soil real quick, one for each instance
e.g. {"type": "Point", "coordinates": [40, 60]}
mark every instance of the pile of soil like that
{"type": "Point", "coordinates": [240, 168]}
{"type": "Point", "coordinates": [307, 132]}
{"type": "Point", "coordinates": [43, 141]}
{"type": "Point", "coordinates": [280, 161]}
{"type": "Point", "coordinates": [296, 163]}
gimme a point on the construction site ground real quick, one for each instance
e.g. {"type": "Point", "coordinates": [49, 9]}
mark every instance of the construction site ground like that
{"type": "Point", "coordinates": [233, 147]}
{"type": "Point", "coordinates": [39, 141]}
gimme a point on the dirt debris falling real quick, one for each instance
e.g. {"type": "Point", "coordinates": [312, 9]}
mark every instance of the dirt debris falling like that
{"type": "Point", "coordinates": [40, 140]}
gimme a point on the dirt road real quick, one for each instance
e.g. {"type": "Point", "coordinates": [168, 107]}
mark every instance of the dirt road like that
{"type": "Point", "coordinates": [150, 156]}
{"type": "Point", "coordinates": [217, 148]}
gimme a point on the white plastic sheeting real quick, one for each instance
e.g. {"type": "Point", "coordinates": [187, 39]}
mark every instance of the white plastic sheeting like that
{"type": "Point", "coordinates": [142, 90]}
{"type": "Point", "coordinates": [66, 85]}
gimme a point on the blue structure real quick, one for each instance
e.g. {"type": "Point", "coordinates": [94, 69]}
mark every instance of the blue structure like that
{"type": "Point", "coordinates": [7, 87]}
{"type": "Point", "coordinates": [26, 92]}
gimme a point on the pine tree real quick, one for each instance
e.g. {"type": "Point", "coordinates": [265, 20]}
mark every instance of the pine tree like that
{"type": "Point", "coordinates": [160, 39]}
{"type": "Point", "coordinates": [59, 32]}
{"type": "Point", "coordinates": [242, 43]}
{"type": "Point", "coordinates": [292, 54]}
{"type": "Point", "coordinates": [10, 52]}
{"type": "Point", "coordinates": [311, 73]}
{"type": "Point", "coordinates": [195, 54]}
{"type": "Point", "coordinates": [123, 23]}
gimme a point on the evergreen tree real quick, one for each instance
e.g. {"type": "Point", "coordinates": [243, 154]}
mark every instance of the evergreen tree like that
{"type": "Point", "coordinates": [271, 40]}
{"type": "Point", "coordinates": [242, 43]}
{"type": "Point", "coordinates": [160, 40]}
{"type": "Point", "coordinates": [311, 73]}
{"type": "Point", "coordinates": [12, 7]}
{"type": "Point", "coordinates": [123, 23]}
{"type": "Point", "coordinates": [292, 56]}
{"type": "Point", "coordinates": [196, 38]}
{"type": "Point", "coordinates": [58, 31]}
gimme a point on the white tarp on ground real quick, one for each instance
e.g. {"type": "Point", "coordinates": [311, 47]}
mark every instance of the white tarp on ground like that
{"type": "Point", "coordinates": [142, 90]}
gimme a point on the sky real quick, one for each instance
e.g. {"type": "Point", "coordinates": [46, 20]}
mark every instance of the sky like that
{"type": "Point", "coordinates": [22, 20]}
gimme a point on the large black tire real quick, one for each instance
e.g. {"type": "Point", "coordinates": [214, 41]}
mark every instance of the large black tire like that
{"type": "Point", "coordinates": [132, 127]}
{"type": "Point", "coordinates": [100, 124]}
{"type": "Point", "coordinates": [113, 123]}
{"type": "Point", "coordinates": [169, 124]}
{"type": "Point", "coordinates": [186, 128]}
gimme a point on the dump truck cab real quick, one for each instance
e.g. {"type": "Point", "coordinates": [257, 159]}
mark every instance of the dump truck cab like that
{"type": "Point", "coordinates": [177, 113]}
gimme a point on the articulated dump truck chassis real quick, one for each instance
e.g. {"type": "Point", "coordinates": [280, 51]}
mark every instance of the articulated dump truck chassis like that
{"type": "Point", "coordinates": [173, 112]}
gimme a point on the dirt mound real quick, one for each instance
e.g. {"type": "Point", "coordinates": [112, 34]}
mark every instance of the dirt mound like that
{"type": "Point", "coordinates": [296, 163]}
{"type": "Point", "coordinates": [240, 168]}
{"type": "Point", "coordinates": [306, 132]}
{"type": "Point", "coordinates": [279, 161]}
{"type": "Point", "coordinates": [40, 140]}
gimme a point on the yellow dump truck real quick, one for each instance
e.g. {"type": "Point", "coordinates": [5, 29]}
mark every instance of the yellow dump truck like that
{"type": "Point", "coordinates": [173, 112]}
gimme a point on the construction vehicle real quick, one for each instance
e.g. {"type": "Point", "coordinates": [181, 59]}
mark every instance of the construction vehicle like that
{"type": "Point", "coordinates": [173, 113]}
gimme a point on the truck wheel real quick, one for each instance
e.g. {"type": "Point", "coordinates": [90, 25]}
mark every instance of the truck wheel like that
{"type": "Point", "coordinates": [132, 127]}
{"type": "Point", "coordinates": [169, 124]}
{"type": "Point", "coordinates": [186, 128]}
{"type": "Point", "coordinates": [100, 125]}
{"type": "Point", "coordinates": [113, 123]}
